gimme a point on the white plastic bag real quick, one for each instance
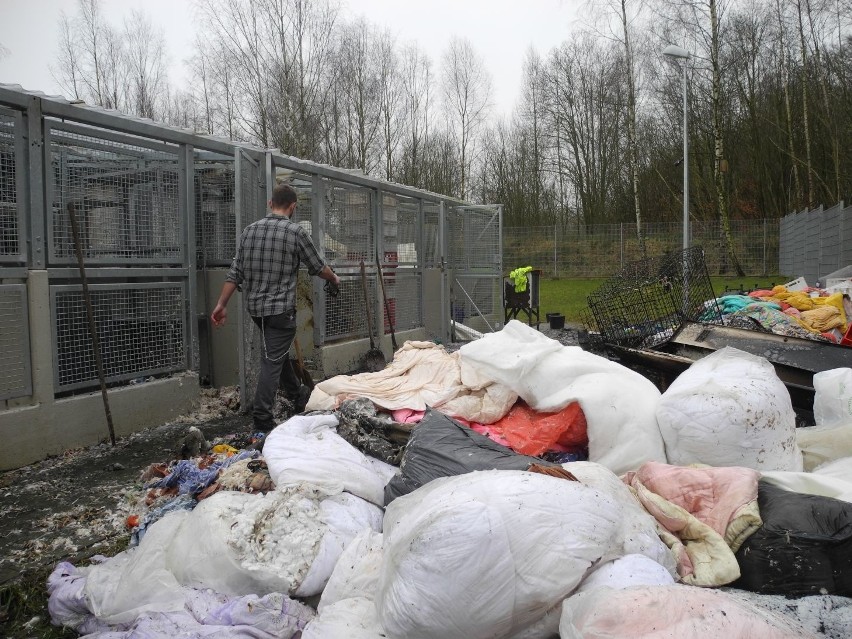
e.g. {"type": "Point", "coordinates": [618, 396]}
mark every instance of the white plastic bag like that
{"type": "Point", "coordinates": [630, 570]}
{"type": "Point", "coordinates": [356, 573]}
{"type": "Point", "coordinates": [346, 609]}
{"type": "Point", "coordinates": [618, 403]}
{"type": "Point", "coordinates": [663, 612]}
{"type": "Point", "coordinates": [730, 409]}
{"type": "Point", "coordinates": [488, 554]}
{"type": "Point", "coordinates": [833, 397]}
{"type": "Point", "coordinates": [137, 580]}
{"type": "Point", "coordinates": [287, 541]}
{"type": "Point", "coordinates": [821, 444]}
{"type": "Point", "coordinates": [638, 527]}
{"type": "Point", "coordinates": [306, 448]}
{"type": "Point", "coordinates": [351, 618]}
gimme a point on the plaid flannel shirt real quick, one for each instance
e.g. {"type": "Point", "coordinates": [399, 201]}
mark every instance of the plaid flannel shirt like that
{"type": "Point", "coordinates": [266, 265]}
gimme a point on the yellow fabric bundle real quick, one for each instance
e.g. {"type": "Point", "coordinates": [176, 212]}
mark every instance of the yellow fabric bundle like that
{"type": "Point", "coordinates": [799, 300]}
{"type": "Point", "coordinates": [821, 319]}
{"type": "Point", "coordinates": [803, 302]}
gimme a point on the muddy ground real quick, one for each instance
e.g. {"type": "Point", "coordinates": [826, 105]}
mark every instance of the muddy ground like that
{"type": "Point", "coordinates": [76, 505]}
{"type": "Point", "coordinates": [70, 504]}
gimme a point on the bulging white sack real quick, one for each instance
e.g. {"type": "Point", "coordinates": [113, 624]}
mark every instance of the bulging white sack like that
{"type": "Point", "coordinates": [356, 573]}
{"type": "Point", "coordinates": [619, 404]}
{"type": "Point", "coordinates": [286, 541]}
{"type": "Point", "coordinates": [346, 609]}
{"type": "Point", "coordinates": [664, 612]}
{"type": "Point", "coordinates": [638, 527]}
{"type": "Point", "coordinates": [488, 554]}
{"type": "Point", "coordinates": [627, 571]}
{"type": "Point", "coordinates": [351, 618]}
{"type": "Point", "coordinates": [730, 409]}
{"type": "Point", "coordinates": [833, 397]}
{"type": "Point", "coordinates": [306, 448]}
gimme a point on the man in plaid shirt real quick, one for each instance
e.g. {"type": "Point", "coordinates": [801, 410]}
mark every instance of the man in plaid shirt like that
{"type": "Point", "coordinates": [266, 269]}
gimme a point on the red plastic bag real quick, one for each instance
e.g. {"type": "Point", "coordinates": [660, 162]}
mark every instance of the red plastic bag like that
{"type": "Point", "coordinates": [532, 433]}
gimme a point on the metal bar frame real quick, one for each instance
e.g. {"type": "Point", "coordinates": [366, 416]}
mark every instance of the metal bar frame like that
{"type": "Point", "coordinates": [179, 258]}
{"type": "Point", "coordinates": [36, 158]}
{"type": "Point", "coordinates": [187, 197]}
{"type": "Point", "coordinates": [19, 159]}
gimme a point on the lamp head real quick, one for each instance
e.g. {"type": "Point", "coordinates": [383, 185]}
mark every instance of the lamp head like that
{"type": "Point", "coordinates": [674, 51]}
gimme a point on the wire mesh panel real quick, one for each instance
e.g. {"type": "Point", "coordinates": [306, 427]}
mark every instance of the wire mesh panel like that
{"type": "Point", "coordinates": [346, 314]}
{"type": "Point", "coordinates": [215, 221]}
{"type": "Point", "coordinates": [649, 299]}
{"type": "Point", "coordinates": [349, 222]}
{"type": "Point", "coordinates": [351, 238]}
{"type": "Point", "coordinates": [529, 246]}
{"type": "Point", "coordinates": [407, 230]}
{"type": "Point", "coordinates": [404, 307]}
{"type": "Point", "coordinates": [475, 255]}
{"type": "Point", "coordinates": [10, 247]}
{"type": "Point", "coordinates": [141, 328]}
{"type": "Point", "coordinates": [126, 198]}
{"type": "Point", "coordinates": [598, 250]}
{"type": "Point", "coordinates": [476, 297]}
{"type": "Point", "coordinates": [15, 368]}
{"type": "Point", "coordinates": [400, 223]}
{"type": "Point", "coordinates": [475, 238]}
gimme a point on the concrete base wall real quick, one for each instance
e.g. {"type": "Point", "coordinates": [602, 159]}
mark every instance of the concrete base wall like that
{"type": "Point", "coordinates": [345, 357]}
{"type": "Point", "coordinates": [32, 433]}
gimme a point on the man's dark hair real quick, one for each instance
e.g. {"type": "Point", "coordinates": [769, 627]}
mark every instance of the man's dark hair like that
{"type": "Point", "coordinates": [283, 195]}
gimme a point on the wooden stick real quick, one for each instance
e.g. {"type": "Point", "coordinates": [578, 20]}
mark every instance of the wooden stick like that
{"type": "Point", "coordinates": [93, 332]}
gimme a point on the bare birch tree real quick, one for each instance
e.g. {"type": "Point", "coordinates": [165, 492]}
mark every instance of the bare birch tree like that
{"type": "Point", "coordinates": [146, 73]}
{"type": "Point", "coordinates": [466, 90]}
{"type": "Point", "coordinates": [417, 92]}
{"type": "Point", "coordinates": [66, 71]}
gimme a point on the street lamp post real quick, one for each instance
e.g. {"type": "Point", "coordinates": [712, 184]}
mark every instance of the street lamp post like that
{"type": "Point", "coordinates": [673, 51]}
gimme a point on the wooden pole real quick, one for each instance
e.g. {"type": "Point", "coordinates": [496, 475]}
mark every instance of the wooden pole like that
{"type": "Point", "coordinates": [87, 299]}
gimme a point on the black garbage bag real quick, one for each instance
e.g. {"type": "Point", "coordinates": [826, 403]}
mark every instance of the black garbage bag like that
{"type": "Point", "coordinates": [441, 447]}
{"type": "Point", "coordinates": [803, 548]}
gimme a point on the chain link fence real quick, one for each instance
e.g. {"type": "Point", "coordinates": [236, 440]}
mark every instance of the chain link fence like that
{"type": "Point", "coordinates": [603, 249]}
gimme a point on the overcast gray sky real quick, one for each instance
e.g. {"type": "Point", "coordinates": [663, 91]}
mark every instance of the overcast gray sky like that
{"type": "Point", "coordinates": [501, 31]}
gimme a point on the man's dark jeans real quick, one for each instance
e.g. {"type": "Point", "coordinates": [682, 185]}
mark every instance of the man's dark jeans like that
{"type": "Point", "coordinates": [277, 333]}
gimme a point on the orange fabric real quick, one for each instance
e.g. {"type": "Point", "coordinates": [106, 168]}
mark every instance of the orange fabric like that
{"type": "Point", "coordinates": [532, 433]}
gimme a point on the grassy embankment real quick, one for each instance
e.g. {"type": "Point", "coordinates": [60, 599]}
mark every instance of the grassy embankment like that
{"type": "Point", "coordinates": [568, 296]}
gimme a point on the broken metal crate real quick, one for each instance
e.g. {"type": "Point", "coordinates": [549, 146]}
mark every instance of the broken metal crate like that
{"type": "Point", "coordinates": [645, 304]}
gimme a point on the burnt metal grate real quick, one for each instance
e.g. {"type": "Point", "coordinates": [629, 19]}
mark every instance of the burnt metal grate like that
{"type": "Point", "coordinates": [649, 299]}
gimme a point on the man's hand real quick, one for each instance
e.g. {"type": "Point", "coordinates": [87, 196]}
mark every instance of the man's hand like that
{"type": "Point", "coordinates": [219, 315]}
{"type": "Point", "coordinates": [332, 288]}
